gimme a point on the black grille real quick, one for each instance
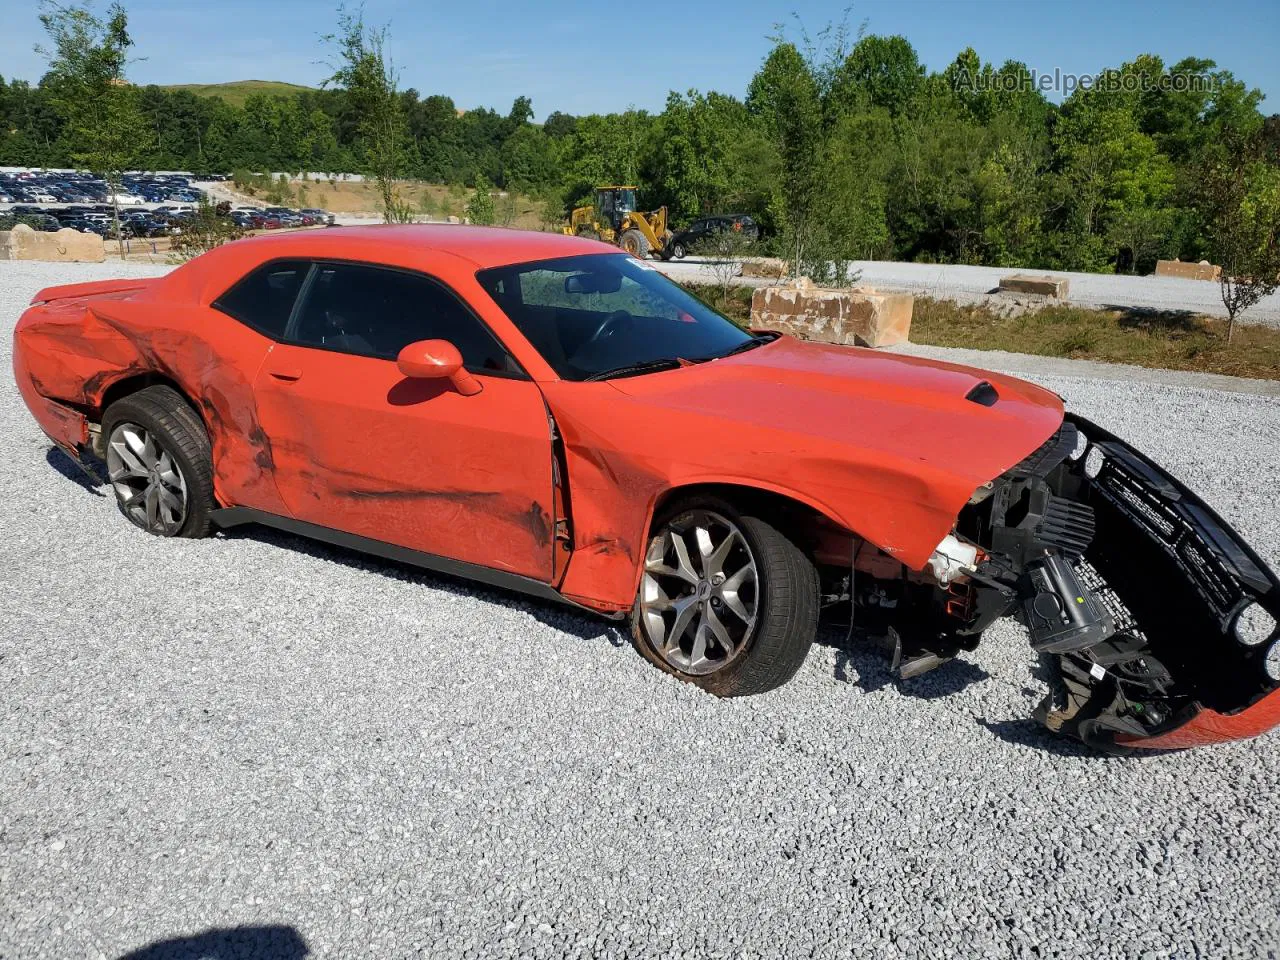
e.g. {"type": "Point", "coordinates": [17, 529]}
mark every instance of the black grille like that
{"type": "Point", "coordinates": [1121, 615]}
{"type": "Point", "coordinates": [1170, 528]}
{"type": "Point", "coordinates": [1067, 524]}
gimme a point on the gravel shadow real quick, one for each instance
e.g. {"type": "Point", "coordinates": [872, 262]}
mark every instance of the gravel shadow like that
{"type": "Point", "coordinates": [81, 477]}
{"type": "Point", "coordinates": [863, 659]}
{"type": "Point", "coordinates": [1026, 732]}
{"type": "Point", "coordinates": [558, 616]}
{"type": "Point", "coordinates": [1151, 319]}
{"type": "Point", "coordinates": [231, 943]}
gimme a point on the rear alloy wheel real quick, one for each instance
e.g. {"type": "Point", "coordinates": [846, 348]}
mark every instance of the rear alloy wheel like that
{"type": "Point", "coordinates": [678, 251]}
{"type": "Point", "coordinates": [726, 601]}
{"type": "Point", "coordinates": [148, 483]}
{"type": "Point", "coordinates": [159, 463]}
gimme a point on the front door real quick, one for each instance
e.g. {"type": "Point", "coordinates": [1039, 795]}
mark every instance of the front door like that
{"type": "Point", "coordinates": [358, 447]}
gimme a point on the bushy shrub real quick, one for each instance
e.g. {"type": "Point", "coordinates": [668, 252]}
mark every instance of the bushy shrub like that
{"type": "Point", "coordinates": [480, 206]}
{"type": "Point", "coordinates": [202, 231]}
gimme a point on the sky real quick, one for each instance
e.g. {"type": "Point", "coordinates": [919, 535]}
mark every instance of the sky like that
{"type": "Point", "coordinates": [582, 57]}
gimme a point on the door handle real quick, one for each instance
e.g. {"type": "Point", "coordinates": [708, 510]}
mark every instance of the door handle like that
{"type": "Point", "coordinates": [289, 374]}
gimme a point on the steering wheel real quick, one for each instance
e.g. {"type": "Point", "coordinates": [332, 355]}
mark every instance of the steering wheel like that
{"type": "Point", "coordinates": [608, 324]}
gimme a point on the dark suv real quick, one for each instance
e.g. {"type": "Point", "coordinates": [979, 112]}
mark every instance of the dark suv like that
{"type": "Point", "coordinates": [704, 230]}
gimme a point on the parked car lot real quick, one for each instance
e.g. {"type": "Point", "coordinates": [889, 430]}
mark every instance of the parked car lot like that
{"type": "Point", "coordinates": [151, 205]}
{"type": "Point", "coordinates": [365, 754]}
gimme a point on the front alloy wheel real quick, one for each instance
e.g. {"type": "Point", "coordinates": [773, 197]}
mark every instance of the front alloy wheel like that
{"type": "Point", "coordinates": [726, 601]}
{"type": "Point", "coordinates": [699, 593]}
{"type": "Point", "coordinates": [147, 480]}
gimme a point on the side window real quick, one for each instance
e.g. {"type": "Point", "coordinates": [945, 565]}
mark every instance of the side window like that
{"type": "Point", "coordinates": [264, 298]}
{"type": "Point", "coordinates": [377, 312]}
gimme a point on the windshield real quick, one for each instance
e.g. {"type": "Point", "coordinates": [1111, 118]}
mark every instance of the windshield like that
{"type": "Point", "coordinates": [593, 315]}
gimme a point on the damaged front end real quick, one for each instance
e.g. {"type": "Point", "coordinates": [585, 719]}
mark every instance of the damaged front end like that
{"type": "Point", "coordinates": [1157, 623]}
{"type": "Point", "coordinates": [1154, 620]}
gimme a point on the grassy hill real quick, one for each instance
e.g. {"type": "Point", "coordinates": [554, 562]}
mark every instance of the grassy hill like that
{"type": "Point", "coordinates": [238, 91]}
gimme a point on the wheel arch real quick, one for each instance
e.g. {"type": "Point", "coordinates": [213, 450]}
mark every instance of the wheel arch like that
{"type": "Point", "coordinates": [771, 500]}
{"type": "Point", "coordinates": [813, 526]}
{"type": "Point", "coordinates": [605, 568]}
{"type": "Point", "coordinates": [132, 383]}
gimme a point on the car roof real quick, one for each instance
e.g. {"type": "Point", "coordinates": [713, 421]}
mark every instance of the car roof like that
{"type": "Point", "coordinates": [483, 246]}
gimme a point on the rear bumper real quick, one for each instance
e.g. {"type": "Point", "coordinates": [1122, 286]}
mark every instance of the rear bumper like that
{"type": "Point", "coordinates": [64, 425]}
{"type": "Point", "coordinates": [1185, 577]}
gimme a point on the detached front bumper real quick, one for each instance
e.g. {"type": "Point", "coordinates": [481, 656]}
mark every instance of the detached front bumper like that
{"type": "Point", "coordinates": [1174, 573]}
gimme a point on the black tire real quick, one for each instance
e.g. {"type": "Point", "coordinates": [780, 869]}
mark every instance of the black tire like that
{"type": "Point", "coordinates": [665, 252]}
{"type": "Point", "coordinates": [178, 430]}
{"type": "Point", "coordinates": [678, 251]}
{"type": "Point", "coordinates": [586, 233]}
{"type": "Point", "coordinates": [786, 616]}
{"type": "Point", "coordinates": [635, 243]}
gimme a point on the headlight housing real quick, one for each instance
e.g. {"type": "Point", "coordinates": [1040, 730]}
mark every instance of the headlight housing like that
{"type": "Point", "coordinates": [1254, 626]}
{"type": "Point", "coordinates": [1272, 662]}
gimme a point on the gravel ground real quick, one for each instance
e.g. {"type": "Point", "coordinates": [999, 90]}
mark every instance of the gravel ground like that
{"type": "Point", "coordinates": [967, 284]}
{"type": "Point", "coordinates": [319, 752]}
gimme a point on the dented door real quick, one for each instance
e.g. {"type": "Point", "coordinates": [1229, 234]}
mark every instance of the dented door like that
{"type": "Point", "coordinates": [360, 448]}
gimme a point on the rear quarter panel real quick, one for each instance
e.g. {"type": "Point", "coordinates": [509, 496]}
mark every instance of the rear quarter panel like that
{"type": "Point", "coordinates": [68, 353]}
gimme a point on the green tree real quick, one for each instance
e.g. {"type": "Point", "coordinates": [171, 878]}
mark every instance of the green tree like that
{"type": "Point", "coordinates": [1114, 174]}
{"type": "Point", "coordinates": [436, 133]}
{"type": "Point", "coordinates": [528, 158]}
{"type": "Point", "coordinates": [320, 143]}
{"type": "Point", "coordinates": [785, 97]}
{"type": "Point", "coordinates": [882, 72]}
{"type": "Point", "coordinates": [1241, 200]}
{"type": "Point", "coordinates": [480, 207]}
{"type": "Point", "coordinates": [689, 168]}
{"type": "Point", "coordinates": [86, 79]}
{"type": "Point", "coordinates": [609, 148]}
{"type": "Point", "coordinates": [368, 78]}
{"type": "Point", "coordinates": [856, 175]}
{"type": "Point", "coordinates": [559, 125]}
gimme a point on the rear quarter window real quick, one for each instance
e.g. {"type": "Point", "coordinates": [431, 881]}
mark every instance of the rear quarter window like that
{"type": "Point", "coordinates": [264, 298]}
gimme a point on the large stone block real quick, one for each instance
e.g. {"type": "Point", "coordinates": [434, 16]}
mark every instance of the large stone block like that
{"type": "Point", "coordinates": [1053, 287]}
{"type": "Point", "coordinates": [1204, 270]}
{"type": "Point", "coordinates": [63, 246]}
{"type": "Point", "coordinates": [769, 268]}
{"type": "Point", "coordinates": [859, 316]}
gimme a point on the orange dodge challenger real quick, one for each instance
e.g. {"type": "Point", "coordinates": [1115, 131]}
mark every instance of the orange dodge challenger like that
{"type": "Point", "coordinates": [547, 414]}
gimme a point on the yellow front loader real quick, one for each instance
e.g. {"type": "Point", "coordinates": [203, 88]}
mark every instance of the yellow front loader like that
{"type": "Point", "coordinates": [614, 219]}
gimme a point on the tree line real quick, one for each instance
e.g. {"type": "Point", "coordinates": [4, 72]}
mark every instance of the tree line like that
{"type": "Point", "coordinates": [843, 147]}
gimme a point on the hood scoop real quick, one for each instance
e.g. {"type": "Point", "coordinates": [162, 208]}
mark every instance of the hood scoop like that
{"type": "Point", "coordinates": [983, 394]}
